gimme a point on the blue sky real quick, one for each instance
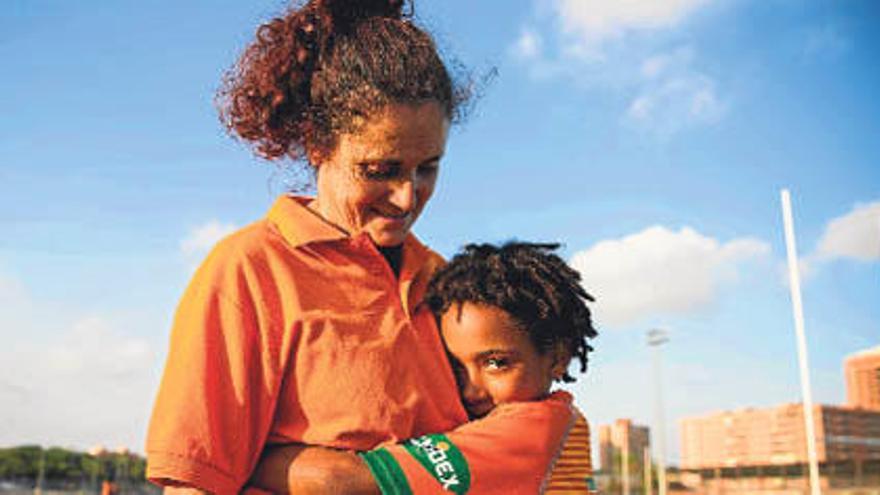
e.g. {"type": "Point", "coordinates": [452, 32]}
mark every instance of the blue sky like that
{"type": "Point", "coordinates": [651, 139]}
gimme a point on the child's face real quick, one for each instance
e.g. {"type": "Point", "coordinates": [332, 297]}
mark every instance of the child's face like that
{"type": "Point", "coordinates": [494, 360]}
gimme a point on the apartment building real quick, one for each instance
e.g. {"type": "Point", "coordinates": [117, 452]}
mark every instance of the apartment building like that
{"type": "Point", "coordinates": [777, 436]}
{"type": "Point", "coordinates": [862, 374]}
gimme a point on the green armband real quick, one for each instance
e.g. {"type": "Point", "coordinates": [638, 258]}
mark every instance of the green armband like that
{"type": "Point", "coordinates": [443, 460]}
{"type": "Point", "coordinates": [386, 472]}
{"type": "Point", "coordinates": [436, 453]}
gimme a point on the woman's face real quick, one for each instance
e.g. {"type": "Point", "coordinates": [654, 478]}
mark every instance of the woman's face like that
{"type": "Point", "coordinates": [379, 178]}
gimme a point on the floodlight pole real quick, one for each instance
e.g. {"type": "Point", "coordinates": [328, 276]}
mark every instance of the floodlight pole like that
{"type": "Point", "coordinates": [798, 310]}
{"type": "Point", "coordinates": [656, 338]}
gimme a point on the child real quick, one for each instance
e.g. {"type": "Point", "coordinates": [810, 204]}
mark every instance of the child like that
{"type": "Point", "coordinates": [512, 318]}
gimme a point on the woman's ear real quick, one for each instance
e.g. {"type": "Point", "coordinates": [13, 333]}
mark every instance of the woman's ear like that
{"type": "Point", "coordinates": [315, 157]}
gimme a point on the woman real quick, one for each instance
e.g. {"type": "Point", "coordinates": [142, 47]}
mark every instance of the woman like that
{"type": "Point", "coordinates": [303, 327]}
{"type": "Point", "coordinates": [304, 330]}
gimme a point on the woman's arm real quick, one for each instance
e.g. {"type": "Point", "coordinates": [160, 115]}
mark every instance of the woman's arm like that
{"type": "Point", "coordinates": [303, 469]}
{"type": "Point", "coordinates": [306, 470]}
{"type": "Point", "coordinates": [219, 390]}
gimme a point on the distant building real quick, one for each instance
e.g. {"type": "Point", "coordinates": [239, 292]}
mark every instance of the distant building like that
{"type": "Point", "coordinates": [751, 450]}
{"type": "Point", "coordinates": [862, 372]}
{"type": "Point", "coordinates": [776, 436]}
{"type": "Point", "coordinates": [624, 436]}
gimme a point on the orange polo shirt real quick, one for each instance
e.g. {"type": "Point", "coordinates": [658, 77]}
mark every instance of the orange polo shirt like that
{"type": "Point", "coordinates": [293, 331]}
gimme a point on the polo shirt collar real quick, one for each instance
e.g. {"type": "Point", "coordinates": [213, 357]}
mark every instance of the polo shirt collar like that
{"type": "Point", "coordinates": [298, 224]}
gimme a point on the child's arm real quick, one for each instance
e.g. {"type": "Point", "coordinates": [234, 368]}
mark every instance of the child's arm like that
{"type": "Point", "coordinates": [511, 451]}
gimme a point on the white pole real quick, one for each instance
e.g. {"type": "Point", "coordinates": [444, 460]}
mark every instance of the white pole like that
{"type": "Point", "coordinates": [646, 468]}
{"type": "Point", "coordinates": [657, 337]}
{"type": "Point", "coordinates": [797, 308]}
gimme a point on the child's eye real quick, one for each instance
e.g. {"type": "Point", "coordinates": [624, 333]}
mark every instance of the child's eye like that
{"type": "Point", "coordinates": [496, 364]}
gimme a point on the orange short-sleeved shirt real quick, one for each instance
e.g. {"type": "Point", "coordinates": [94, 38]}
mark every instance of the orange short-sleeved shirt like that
{"type": "Point", "coordinates": [292, 331]}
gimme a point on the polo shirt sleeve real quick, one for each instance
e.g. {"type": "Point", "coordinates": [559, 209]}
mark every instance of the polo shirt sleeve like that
{"type": "Point", "coordinates": [510, 451]}
{"type": "Point", "coordinates": [219, 389]}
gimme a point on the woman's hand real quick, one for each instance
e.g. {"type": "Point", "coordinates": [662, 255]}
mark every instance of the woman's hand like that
{"type": "Point", "coordinates": [307, 469]}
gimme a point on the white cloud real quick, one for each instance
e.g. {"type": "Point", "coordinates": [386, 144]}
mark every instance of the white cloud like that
{"type": "Point", "coordinates": [528, 45]}
{"type": "Point", "coordinates": [855, 235]}
{"type": "Point", "coordinates": [72, 380]}
{"type": "Point", "coordinates": [202, 238]}
{"type": "Point", "coordinates": [92, 384]}
{"type": "Point", "coordinates": [597, 20]}
{"type": "Point", "coordinates": [93, 348]}
{"type": "Point", "coordinates": [659, 271]}
{"type": "Point", "coordinates": [13, 300]}
{"type": "Point", "coordinates": [676, 103]}
{"type": "Point", "coordinates": [594, 43]}
{"type": "Point", "coordinates": [673, 95]}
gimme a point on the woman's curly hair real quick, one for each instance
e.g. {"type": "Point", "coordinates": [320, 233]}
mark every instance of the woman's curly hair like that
{"type": "Point", "coordinates": [322, 67]}
{"type": "Point", "coordinates": [530, 283]}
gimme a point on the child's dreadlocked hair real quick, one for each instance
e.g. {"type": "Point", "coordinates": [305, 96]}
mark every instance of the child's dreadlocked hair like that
{"type": "Point", "coordinates": [529, 282]}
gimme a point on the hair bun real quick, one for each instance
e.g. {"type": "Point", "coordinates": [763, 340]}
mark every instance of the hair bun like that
{"type": "Point", "coordinates": [349, 12]}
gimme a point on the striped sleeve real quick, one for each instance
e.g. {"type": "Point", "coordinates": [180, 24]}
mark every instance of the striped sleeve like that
{"type": "Point", "coordinates": [572, 471]}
